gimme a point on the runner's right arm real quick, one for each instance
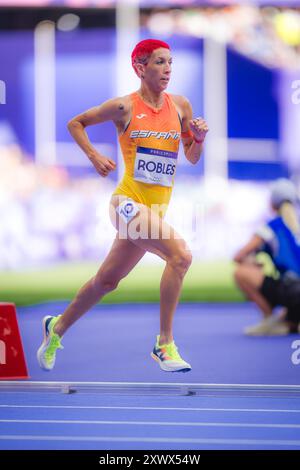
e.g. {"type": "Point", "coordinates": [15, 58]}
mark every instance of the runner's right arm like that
{"type": "Point", "coordinates": [116, 110]}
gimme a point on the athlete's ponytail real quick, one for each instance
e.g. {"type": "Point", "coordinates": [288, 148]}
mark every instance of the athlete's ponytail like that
{"type": "Point", "coordinates": [289, 215]}
{"type": "Point", "coordinates": [283, 198]}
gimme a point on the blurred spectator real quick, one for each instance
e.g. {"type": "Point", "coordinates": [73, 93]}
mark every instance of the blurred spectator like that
{"type": "Point", "coordinates": [279, 238]}
{"type": "Point", "coordinates": [269, 35]}
{"type": "Point", "coordinates": [45, 215]}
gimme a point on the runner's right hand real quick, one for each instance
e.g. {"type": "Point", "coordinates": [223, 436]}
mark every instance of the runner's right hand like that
{"type": "Point", "coordinates": [102, 164]}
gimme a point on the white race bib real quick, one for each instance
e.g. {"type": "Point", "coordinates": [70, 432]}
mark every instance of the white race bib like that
{"type": "Point", "coordinates": [154, 166]}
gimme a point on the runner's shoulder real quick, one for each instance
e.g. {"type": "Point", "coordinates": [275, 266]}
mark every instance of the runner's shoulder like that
{"type": "Point", "coordinates": [182, 103]}
{"type": "Point", "coordinates": [122, 104]}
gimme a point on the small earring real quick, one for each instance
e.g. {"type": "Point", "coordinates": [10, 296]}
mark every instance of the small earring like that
{"type": "Point", "coordinates": [142, 76]}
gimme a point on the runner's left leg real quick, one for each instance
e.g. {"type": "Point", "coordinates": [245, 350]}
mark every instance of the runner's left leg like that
{"type": "Point", "coordinates": [121, 259]}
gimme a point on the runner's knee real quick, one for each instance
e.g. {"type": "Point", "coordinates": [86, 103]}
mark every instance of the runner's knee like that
{"type": "Point", "coordinates": [181, 261]}
{"type": "Point", "coordinates": [105, 282]}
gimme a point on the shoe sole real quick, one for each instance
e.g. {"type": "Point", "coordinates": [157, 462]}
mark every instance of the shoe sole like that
{"type": "Point", "coordinates": [165, 368]}
{"type": "Point", "coordinates": [41, 349]}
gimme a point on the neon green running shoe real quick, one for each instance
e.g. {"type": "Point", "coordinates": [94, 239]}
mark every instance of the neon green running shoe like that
{"type": "Point", "coordinates": [47, 351]}
{"type": "Point", "coordinates": [168, 357]}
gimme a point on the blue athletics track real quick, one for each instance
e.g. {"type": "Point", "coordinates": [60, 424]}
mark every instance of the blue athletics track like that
{"type": "Point", "coordinates": [106, 392]}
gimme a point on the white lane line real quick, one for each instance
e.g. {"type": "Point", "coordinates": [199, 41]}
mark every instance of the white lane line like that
{"type": "Point", "coordinates": [152, 423]}
{"type": "Point", "coordinates": [152, 408]}
{"type": "Point", "coordinates": [245, 442]}
{"type": "Point", "coordinates": [32, 383]}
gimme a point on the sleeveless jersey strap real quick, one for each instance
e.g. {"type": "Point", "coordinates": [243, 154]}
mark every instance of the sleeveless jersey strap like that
{"type": "Point", "coordinates": [173, 105]}
{"type": "Point", "coordinates": [132, 101]}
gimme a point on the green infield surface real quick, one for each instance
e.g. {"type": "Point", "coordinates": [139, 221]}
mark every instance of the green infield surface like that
{"type": "Point", "coordinates": [204, 282]}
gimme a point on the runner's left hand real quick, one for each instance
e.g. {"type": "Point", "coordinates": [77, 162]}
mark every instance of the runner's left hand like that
{"type": "Point", "coordinates": [198, 127]}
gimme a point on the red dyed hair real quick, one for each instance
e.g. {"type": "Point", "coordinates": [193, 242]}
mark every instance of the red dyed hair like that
{"type": "Point", "coordinates": [144, 49]}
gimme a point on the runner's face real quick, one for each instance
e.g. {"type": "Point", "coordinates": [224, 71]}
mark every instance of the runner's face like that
{"type": "Point", "coordinates": [158, 69]}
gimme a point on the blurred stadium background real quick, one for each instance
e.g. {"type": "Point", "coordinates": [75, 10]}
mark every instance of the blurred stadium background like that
{"type": "Point", "coordinates": [239, 65]}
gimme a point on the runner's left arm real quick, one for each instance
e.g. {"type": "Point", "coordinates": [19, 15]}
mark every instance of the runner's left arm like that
{"type": "Point", "coordinates": [193, 133]}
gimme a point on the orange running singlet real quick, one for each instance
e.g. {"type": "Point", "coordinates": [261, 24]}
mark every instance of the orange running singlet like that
{"type": "Point", "coordinates": [150, 147]}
